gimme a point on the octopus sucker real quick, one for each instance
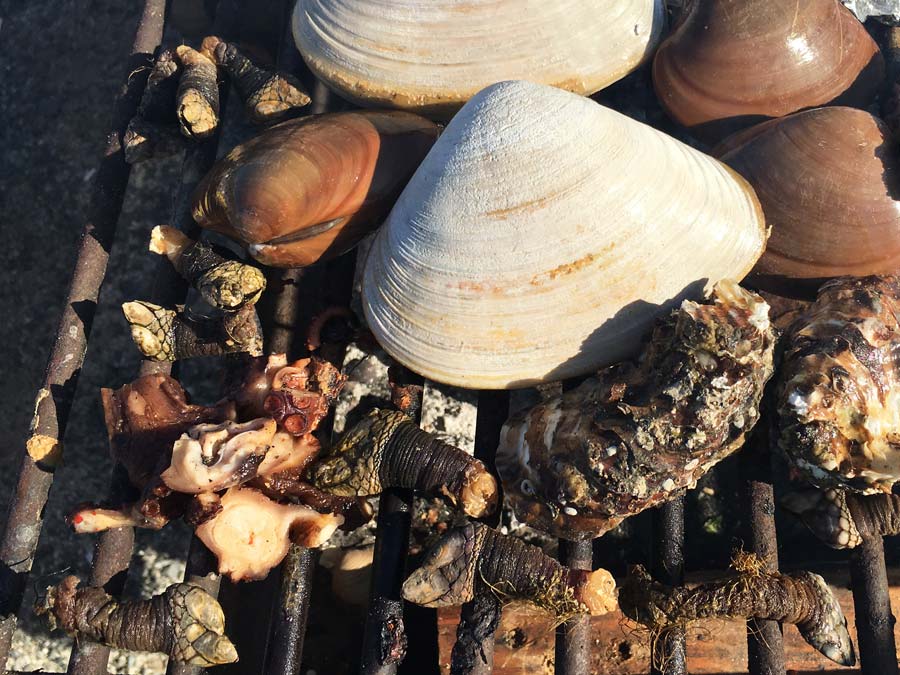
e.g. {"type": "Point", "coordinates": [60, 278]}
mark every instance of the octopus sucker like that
{"type": "Point", "coordinates": [638, 433]}
{"type": "Point", "coordinates": [838, 394]}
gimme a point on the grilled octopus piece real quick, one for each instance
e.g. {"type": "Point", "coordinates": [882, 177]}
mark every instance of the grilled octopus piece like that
{"type": "Point", "coordinates": [638, 434]}
{"type": "Point", "coordinates": [838, 395]}
{"type": "Point", "coordinates": [184, 622]}
{"type": "Point", "coordinates": [474, 559]}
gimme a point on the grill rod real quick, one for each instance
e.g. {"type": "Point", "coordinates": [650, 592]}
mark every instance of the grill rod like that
{"type": "Point", "coordinates": [54, 399]}
{"type": "Point", "coordinates": [668, 652]}
{"type": "Point", "coordinates": [765, 643]}
{"type": "Point", "coordinates": [573, 638]}
{"type": "Point", "coordinates": [871, 600]}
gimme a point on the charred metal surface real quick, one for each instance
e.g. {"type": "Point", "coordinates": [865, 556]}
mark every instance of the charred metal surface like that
{"type": "Point", "coordinates": [289, 622]}
{"type": "Point", "coordinates": [874, 620]}
{"type": "Point", "coordinates": [479, 618]}
{"type": "Point", "coordinates": [54, 399]}
{"type": "Point", "coordinates": [384, 620]}
{"type": "Point", "coordinates": [473, 651]}
{"type": "Point", "coordinates": [669, 655]}
{"type": "Point", "coordinates": [765, 644]}
{"type": "Point", "coordinates": [573, 638]}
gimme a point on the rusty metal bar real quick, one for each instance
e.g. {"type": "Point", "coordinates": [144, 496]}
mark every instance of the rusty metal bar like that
{"type": "Point", "coordinates": [477, 658]}
{"type": "Point", "coordinates": [54, 399]}
{"type": "Point", "coordinates": [669, 653]}
{"type": "Point", "coordinates": [874, 620]}
{"type": "Point", "coordinates": [573, 638]}
{"type": "Point", "coordinates": [765, 643]}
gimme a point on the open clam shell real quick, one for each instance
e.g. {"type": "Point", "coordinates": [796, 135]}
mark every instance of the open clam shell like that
{"type": "Point", "coordinates": [541, 237]}
{"type": "Point", "coordinates": [829, 181]}
{"type": "Point", "coordinates": [733, 63]}
{"type": "Point", "coordinates": [431, 56]}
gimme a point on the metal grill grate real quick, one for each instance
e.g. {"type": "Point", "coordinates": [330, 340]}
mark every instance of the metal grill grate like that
{"type": "Point", "coordinates": [284, 598]}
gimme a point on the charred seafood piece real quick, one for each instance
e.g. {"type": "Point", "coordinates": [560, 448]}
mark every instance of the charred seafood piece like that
{"type": "Point", "coordinates": [184, 621]}
{"type": "Point", "coordinates": [801, 598]}
{"type": "Point", "coordinates": [732, 63]}
{"type": "Point", "coordinates": [386, 449]}
{"type": "Point", "coordinates": [842, 518]}
{"type": "Point", "coordinates": [297, 395]}
{"type": "Point", "coordinates": [638, 434]}
{"type": "Point", "coordinates": [838, 394]}
{"type": "Point", "coordinates": [212, 457]}
{"type": "Point", "coordinates": [267, 96]}
{"type": "Point", "coordinates": [828, 181]}
{"type": "Point", "coordinates": [461, 285]}
{"type": "Point", "coordinates": [310, 189]}
{"type": "Point", "coordinates": [474, 559]}
{"type": "Point", "coordinates": [153, 132]}
{"type": "Point", "coordinates": [250, 534]}
{"type": "Point", "coordinates": [431, 56]}
{"type": "Point", "coordinates": [144, 419]}
{"type": "Point", "coordinates": [169, 335]}
{"type": "Point", "coordinates": [225, 284]}
{"type": "Point", "coordinates": [197, 99]}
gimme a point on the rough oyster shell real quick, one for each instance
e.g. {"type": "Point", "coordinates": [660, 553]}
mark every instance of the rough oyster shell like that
{"type": "Point", "coordinates": [639, 433]}
{"type": "Point", "coordinates": [541, 237]}
{"type": "Point", "coordinates": [839, 388]}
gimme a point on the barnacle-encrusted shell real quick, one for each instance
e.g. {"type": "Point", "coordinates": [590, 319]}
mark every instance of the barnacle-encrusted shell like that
{"type": "Point", "coordinates": [542, 236]}
{"type": "Point", "coordinates": [839, 387]}
{"type": "Point", "coordinates": [828, 181]}
{"type": "Point", "coordinates": [431, 56]}
{"type": "Point", "coordinates": [639, 433]}
{"type": "Point", "coordinates": [310, 189]}
{"type": "Point", "coordinates": [732, 63]}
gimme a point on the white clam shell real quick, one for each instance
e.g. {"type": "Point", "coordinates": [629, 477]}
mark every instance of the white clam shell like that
{"type": "Point", "coordinates": [541, 237]}
{"type": "Point", "coordinates": [431, 56]}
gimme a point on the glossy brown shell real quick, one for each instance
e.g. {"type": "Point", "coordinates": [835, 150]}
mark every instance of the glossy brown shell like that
{"type": "Point", "coordinates": [828, 181]}
{"type": "Point", "coordinates": [310, 189]}
{"type": "Point", "coordinates": [734, 63]}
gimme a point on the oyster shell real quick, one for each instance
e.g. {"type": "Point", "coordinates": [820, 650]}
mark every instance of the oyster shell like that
{"type": "Point", "coordinates": [541, 237]}
{"type": "Point", "coordinates": [639, 433]}
{"type": "Point", "coordinates": [431, 56]}
{"type": "Point", "coordinates": [839, 386]}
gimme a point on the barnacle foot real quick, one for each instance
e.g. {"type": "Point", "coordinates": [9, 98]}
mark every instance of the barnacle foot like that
{"type": "Point", "coordinates": [801, 598]}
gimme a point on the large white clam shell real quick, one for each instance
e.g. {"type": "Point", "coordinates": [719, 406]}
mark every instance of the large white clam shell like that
{"type": "Point", "coordinates": [431, 56]}
{"type": "Point", "coordinates": [543, 234]}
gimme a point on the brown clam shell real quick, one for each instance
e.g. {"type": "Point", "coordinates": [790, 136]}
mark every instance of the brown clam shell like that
{"type": "Point", "coordinates": [828, 181]}
{"type": "Point", "coordinates": [733, 63]}
{"type": "Point", "coordinates": [310, 189]}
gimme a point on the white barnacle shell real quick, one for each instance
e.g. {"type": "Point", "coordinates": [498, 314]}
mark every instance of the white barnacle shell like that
{"type": "Point", "coordinates": [431, 56]}
{"type": "Point", "coordinates": [541, 237]}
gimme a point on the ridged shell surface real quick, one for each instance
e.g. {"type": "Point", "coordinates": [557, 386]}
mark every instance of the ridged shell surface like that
{"type": "Point", "coordinates": [732, 63]}
{"type": "Point", "coordinates": [541, 237]}
{"type": "Point", "coordinates": [829, 181]}
{"type": "Point", "coordinates": [431, 56]}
